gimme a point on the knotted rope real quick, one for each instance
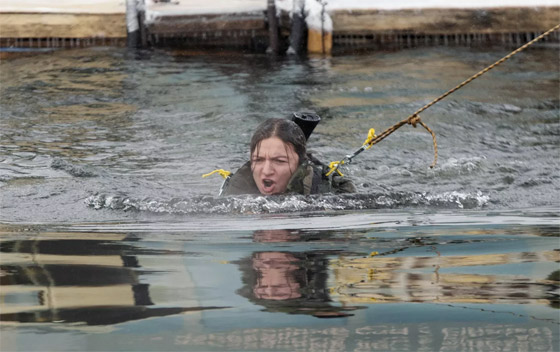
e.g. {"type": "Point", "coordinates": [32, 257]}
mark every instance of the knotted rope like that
{"type": "Point", "coordinates": [414, 118]}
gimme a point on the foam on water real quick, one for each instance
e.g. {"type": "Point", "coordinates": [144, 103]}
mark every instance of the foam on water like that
{"type": "Point", "coordinates": [288, 203]}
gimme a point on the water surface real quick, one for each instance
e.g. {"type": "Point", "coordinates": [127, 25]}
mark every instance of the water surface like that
{"type": "Point", "coordinates": [341, 282]}
{"type": "Point", "coordinates": [135, 131]}
{"type": "Point", "coordinates": [111, 240]}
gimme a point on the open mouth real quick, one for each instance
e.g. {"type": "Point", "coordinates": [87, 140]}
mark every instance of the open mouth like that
{"type": "Point", "coordinates": [268, 185]}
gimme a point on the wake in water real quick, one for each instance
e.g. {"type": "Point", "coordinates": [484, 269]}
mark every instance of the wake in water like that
{"type": "Point", "coordinates": [288, 203]}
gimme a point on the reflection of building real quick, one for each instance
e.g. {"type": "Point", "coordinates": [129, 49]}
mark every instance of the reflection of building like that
{"type": "Point", "coordinates": [380, 279]}
{"type": "Point", "coordinates": [83, 278]}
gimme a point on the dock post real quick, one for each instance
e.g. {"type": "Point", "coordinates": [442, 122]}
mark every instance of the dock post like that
{"type": "Point", "coordinates": [299, 27]}
{"type": "Point", "coordinates": [132, 27]}
{"type": "Point", "coordinates": [319, 40]}
{"type": "Point", "coordinates": [272, 28]}
{"type": "Point", "coordinates": [143, 32]}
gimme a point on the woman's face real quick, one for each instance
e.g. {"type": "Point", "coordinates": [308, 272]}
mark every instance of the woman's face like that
{"type": "Point", "coordinates": [273, 162]}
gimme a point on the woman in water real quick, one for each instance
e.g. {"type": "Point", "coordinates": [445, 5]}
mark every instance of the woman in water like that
{"type": "Point", "coordinates": [280, 164]}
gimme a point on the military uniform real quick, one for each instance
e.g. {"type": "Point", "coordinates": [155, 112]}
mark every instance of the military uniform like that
{"type": "Point", "coordinates": [309, 178]}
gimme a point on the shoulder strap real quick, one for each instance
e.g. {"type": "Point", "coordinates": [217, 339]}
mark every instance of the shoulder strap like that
{"type": "Point", "coordinates": [241, 182]}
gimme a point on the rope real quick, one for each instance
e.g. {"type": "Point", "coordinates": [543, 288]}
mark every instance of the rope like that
{"type": "Point", "coordinates": [222, 172]}
{"type": "Point", "coordinates": [414, 118]}
{"type": "Point", "coordinates": [411, 120]}
{"type": "Point", "coordinates": [518, 50]}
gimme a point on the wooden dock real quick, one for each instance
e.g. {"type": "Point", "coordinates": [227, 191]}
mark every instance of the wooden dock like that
{"type": "Point", "coordinates": [508, 26]}
{"type": "Point", "coordinates": [63, 23]}
{"type": "Point", "coordinates": [243, 25]}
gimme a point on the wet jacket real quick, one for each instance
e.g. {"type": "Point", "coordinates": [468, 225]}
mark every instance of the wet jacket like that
{"type": "Point", "coordinates": [309, 178]}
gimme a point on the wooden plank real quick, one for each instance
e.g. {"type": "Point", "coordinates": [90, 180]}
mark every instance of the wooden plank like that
{"type": "Point", "coordinates": [198, 7]}
{"type": "Point", "coordinates": [62, 25]}
{"type": "Point", "coordinates": [207, 23]}
{"type": "Point", "coordinates": [63, 6]}
{"type": "Point", "coordinates": [447, 21]}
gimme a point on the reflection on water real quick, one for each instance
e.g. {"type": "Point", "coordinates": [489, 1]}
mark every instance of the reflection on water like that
{"type": "Point", "coordinates": [77, 278]}
{"type": "Point", "coordinates": [289, 282]}
{"type": "Point", "coordinates": [427, 288]}
{"type": "Point", "coordinates": [404, 279]}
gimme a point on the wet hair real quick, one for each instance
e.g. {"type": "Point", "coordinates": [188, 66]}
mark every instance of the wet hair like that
{"type": "Point", "coordinates": [288, 132]}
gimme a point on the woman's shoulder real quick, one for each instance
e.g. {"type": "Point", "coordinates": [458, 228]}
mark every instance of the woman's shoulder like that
{"type": "Point", "coordinates": [241, 182]}
{"type": "Point", "coordinates": [310, 178]}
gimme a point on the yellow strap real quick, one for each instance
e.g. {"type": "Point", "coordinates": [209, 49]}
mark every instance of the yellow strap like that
{"type": "Point", "coordinates": [222, 173]}
{"type": "Point", "coordinates": [333, 166]}
{"type": "Point", "coordinates": [370, 137]}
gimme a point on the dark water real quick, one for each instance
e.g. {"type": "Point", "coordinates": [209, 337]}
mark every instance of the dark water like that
{"type": "Point", "coordinates": [114, 130]}
{"type": "Point", "coordinates": [111, 240]}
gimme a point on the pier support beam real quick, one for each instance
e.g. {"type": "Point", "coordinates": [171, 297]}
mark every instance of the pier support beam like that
{"type": "Point", "coordinates": [141, 6]}
{"type": "Point", "coordinates": [298, 30]}
{"type": "Point", "coordinates": [132, 25]}
{"type": "Point", "coordinates": [319, 38]}
{"type": "Point", "coordinates": [274, 43]}
{"type": "Point", "coordinates": [319, 42]}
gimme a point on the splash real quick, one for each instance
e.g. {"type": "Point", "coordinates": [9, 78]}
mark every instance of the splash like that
{"type": "Point", "coordinates": [289, 203]}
